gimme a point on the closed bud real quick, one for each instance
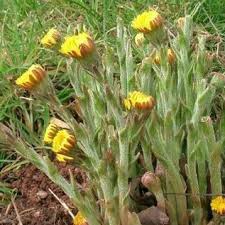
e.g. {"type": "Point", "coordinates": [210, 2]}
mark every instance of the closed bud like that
{"type": "Point", "coordinates": [206, 119]}
{"type": "Point", "coordinates": [180, 23]}
{"type": "Point", "coordinates": [139, 39]}
{"type": "Point", "coordinates": [159, 170]}
{"type": "Point", "coordinates": [152, 182]}
{"type": "Point", "coordinates": [51, 38]}
{"type": "Point", "coordinates": [149, 179]}
{"type": "Point", "coordinates": [171, 57]}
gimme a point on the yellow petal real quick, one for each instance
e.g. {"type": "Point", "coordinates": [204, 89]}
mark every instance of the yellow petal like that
{"type": "Point", "coordinates": [63, 142]}
{"type": "Point", "coordinates": [51, 38]}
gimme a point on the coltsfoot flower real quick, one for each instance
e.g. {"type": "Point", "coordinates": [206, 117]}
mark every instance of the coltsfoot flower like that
{"type": "Point", "coordinates": [63, 142]}
{"type": "Point", "coordinates": [139, 39]}
{"type": "Point", "coordinates": [218, 205]}
{"type": "Point", "coordinates": [78, 46]}
{"type": "Point", "coordinates": [31, 78]}
{"type": "Point", "coordinates": [139, 100]}
{"type": "Point", "coordinates": [171, 57]}
{"type": "Point", "coordinates": [51, 38]}
{"type": "Point", "coordinates": [50, 133]}
{"type": "Point", "coordinates": [147, 21]}
{"type": "Point", "coordinates": [79, 219]}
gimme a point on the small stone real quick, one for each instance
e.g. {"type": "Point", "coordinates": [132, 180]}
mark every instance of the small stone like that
{"type": "Point", "coordinates": [42, 194]}
{"type": "Point", "coordinates": [37, 214]}
{"type": "Point", "coordinates": [153, 216]}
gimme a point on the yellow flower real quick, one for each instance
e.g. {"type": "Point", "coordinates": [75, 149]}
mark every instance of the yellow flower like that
{"type": "Point", "coordinates": [139, 39]}
{"type": "Point", "coordinates": [51, 38]}
{"type": "Point", "coordinates": [218, 205]}
{"type": "Point", "coordinates": [79, 219]}
{"type": "Point", "coordinates": [50, 133]}
{"type": "Point", "coordinates": [139, 100]}
{"type": "Point", "coordinates": [171, 57]}
{"type": "Point", "coordinates": [63, 158]}
{"type": "Point", "coordinates": [63, 142]}
{"type": "Point", "coordinates": [78, 46]}
{"type": "Point", "coordinates": [147, 21]}
{"type": "Point", "coordinates": [31, 78]}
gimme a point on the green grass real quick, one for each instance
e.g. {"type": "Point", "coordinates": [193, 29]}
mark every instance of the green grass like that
{"type": "Point", "coordinates": [23, 22]}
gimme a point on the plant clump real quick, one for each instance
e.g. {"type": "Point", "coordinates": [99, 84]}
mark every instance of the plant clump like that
{"type": "Point", "coordinates": [143, 132]}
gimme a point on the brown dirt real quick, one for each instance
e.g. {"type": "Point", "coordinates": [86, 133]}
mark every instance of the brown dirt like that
{"type": "Point", "coordinates": [35, 204]}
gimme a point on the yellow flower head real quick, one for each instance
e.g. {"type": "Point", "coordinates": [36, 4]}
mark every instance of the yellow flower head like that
{"type": "Point", "coordinates": [147, 21]}
{"type": "Point", "coordinates": [218, 205]}
{"type": "Point", "coordinates": [139, 39]}
{"type": "Point", "coordinates": [171, 57]}
{"type": "Point", "coordinates": [78, 46]}
{"type": "Point", "coordinates": [50, 133]}
{"type": "Point", "coordinates": [63, 158]}
{"type": "Point", "coordinates": [51, 38]}
{"type": "Point", "coordinates": [31, 78]}
{"type": "Point", "coordinates": [63, 142]}
{"type": "Point", "coordinates": [79, 219]}
{"type": "Point", "coordinates": [139, 100]}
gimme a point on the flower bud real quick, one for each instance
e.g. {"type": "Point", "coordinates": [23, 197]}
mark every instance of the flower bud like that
{"type": "Point", "coordinates": [51, 38]}
{"type": "Point", "coordinates": [149, 179]}
{"type": "Point", "coordinates": [78, 46]}
{"type": "Point", "coordinates": [31, 78]}
{"type": "Point", "coordinates": [171, 57]}
{"type": "Point", "coordinates": [152, 182]}
{"type": "Point", "coordinates": [139, 100]}
{"type": "Point", "coordinates": [180, 23]}
{"type": "Point", "coordinates": [159, 170]}
{"type": "Point", "coordinates": [139, 39]}
{"type": "Point", "coordinates": [147, 21]}
{"type": "Point", "coordinates": [206, 119]}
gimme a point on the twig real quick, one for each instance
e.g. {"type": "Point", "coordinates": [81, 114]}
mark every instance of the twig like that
{"type": "Point", "coordinates": [17, 213]}
{"type": "Point", "coordinates": [26, 211]}
{"type": "Point", "coordinates": [7, 209]}
{"type": "Point", "coordinates": [62, 203]}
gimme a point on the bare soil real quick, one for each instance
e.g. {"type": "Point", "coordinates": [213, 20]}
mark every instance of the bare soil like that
{"type": "Point", "coordinates": [34, 202]}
